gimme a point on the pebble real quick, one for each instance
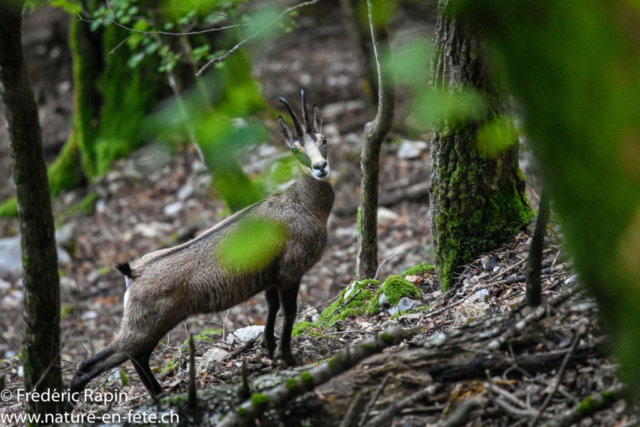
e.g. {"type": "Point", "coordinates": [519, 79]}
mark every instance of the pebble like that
{"type": "Point", "coordinates": [411, 149]}
{"type": "Point", "coordinates": [404, 304]}
{"type": "Point", "coordinates": [385, 214]}
{"type": "Point", "coordinates": [173, 208]}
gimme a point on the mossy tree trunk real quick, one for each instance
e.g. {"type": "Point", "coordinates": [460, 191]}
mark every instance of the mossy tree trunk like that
{"type": "Point", "coordinates": [41, 344]}
{"type": "Point", "coordinates": [477, 200]}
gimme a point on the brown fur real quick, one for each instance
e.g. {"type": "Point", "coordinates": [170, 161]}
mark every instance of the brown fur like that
{"type": "Point", "coordinates": [169, 285]}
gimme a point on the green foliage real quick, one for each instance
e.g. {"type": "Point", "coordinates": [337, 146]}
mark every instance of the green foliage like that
{"type": "Point", "coordinates": [421, 268]}
{"type": "Point", "coordinates": [496, 136]}
{"type": "Point", "coordinates": [124, 378]}
{"type": "Point", "coordinates": [85, 207]}
{"type": "Point", "coordinates": [252, 245]}
{"type": "Point", "coordinates": [291, 383]}
{"type": "Point", "coordinates": [9, 208]}
{"type": "Point", "coordinates": [306, 378]}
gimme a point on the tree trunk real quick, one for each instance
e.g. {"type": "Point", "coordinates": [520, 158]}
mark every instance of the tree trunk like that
{"type": "Point", "coordinates": [374, 134]}
{"type": "Point", "coordinates": [40, 262]}
{"type": "Point", "coordinates": [477, 199]}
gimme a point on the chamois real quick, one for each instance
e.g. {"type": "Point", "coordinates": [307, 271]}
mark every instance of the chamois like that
{"type": "Point", "coordinates": [167, 286]}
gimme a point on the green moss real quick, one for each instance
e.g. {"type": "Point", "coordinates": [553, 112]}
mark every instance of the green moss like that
{"type": "Point", "coordinates": [65, 171]}
{"type": "Point", "coordinates": [176, 399]}
{"type": "Point", "coordinates": [585, 405]}
{"type": "Point", "coordinates": [421, 268]}
{"type": "Point", "coordinates": [306, 378]}
{"type": "Point", "coordinates": [386, 337]}
{"type": "Point", "coordinates": [358, 296]}
{"type": "Point", "coordinates": [300, 328]}
{"type": "Point", "coordinates": [504, 215]}
{"type": "Point", "coordinates": [291, 383]}
{"type": "Point", "coordinates": [395, 287]}
{"type": "Point", "coordinates": [259, 400]}
{"type": "Point", "coordinates": [241, 412]}
{"type": "Point", "coordinates": [9, 208]}
{"type": "Point", "coordinates": [359, 222]}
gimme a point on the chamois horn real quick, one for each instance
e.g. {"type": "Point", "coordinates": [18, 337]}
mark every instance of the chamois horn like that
{"type": "Point", "coordinates": [305, 116]}
{"type": "Point", "coordinates": [296, 123]}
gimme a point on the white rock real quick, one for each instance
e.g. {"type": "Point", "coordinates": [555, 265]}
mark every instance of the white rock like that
{"type": "Point", "coordinates": [4, 286]}
{"type": "Point", "coordinates": [249, 333]}
{"type": "Point", "coordinates": [68, 284]}
{"type": "Point", "coordinates": [89, 315]}
{"type": "Point", "coordinates": [482, 294]}
{"type": "Point", "coordinates": [385, 214]}
{"type": "Point", "coordinates": [214, 355]}
{"type": "Point", "coordinates": [404, 304]}
{"type": "Point", "coordinates": [185, 192]}
{"type": "Point", "coordinates": [173, 208]}
{"type": "Point", "coordinates": [411, 149]}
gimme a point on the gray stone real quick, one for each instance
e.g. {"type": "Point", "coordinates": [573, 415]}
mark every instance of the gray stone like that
{"type": "Point", "coordinates": [214, 355]}
{"type": "Point", "coordinates": [249, 333]}
{"type": "Point", "coordinates": [404, 304]}
{"type": "Point", "coordinates": [411, 149]}
{"type": "Point", "coordinates": [383, 301]}
{"type": "Point", "coordinates": [186, 191]}
{"type": "Point", "coordinates": [66, 234]}
{"type": "Point", "coordinates": [11, 257]}
{"type": "Point", "coordinates": [4, 286]}
{"type": "Point", "coordinates": [385, 214]}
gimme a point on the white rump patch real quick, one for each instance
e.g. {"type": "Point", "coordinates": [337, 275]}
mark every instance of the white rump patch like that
{"type": "Point", "coordinates": [127, 280]}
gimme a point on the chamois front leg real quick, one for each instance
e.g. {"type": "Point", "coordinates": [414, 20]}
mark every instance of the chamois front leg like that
{"type": "Point", "coordinates": [268, 341]}
{"type": "Point", "coordinates": [289, 303]}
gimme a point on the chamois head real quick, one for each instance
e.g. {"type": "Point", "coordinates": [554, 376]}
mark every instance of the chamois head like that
{"type": "Point", "coordinates": [309, 145]}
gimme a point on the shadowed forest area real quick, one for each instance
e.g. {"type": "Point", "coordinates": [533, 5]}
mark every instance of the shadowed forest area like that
{"type": "Point", "coordinates": [482, 249]}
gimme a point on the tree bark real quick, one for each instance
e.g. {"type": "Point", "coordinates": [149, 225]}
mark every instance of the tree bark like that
{"type": "Point", "coordinates": [477, 200]}
{"type": "Point", "coordinates": [374, 134]}
{"type": "Point", "coordinates": [40, 262]}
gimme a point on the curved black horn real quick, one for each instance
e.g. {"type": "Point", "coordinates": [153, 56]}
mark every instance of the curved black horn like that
{"type": "Point", "coordinates": [296, 123]}
{"type": "Point", "coordinates": [305, 116]}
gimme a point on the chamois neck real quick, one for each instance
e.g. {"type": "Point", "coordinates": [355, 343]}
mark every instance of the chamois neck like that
{"type": "Point", "coordinates": [317, 195]}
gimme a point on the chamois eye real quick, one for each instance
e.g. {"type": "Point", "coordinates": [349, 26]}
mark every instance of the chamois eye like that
{"type": "Point", "coordinates": [324, 140]}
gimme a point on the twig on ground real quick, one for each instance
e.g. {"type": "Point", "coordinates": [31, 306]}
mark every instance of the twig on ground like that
{"type": "Point", "coordinates": [351, 418]}
{"type": "Point", "coordinates": [193, 400]}
{"type": "Point", "coordinates": [374, 398]}
{"type": "Point", "coordinates": [558, 380]}
{"type": "Point", "coordinates": [588, 407]}
{"type": "Point", "coordinates": [460, 416]}
{"type": "Point", "coordinates": [308, 380]}
{"type": "Point", "coordinates": [384, 417]}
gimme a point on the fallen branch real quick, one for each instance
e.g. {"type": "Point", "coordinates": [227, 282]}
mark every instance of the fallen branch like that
{"type": "Point", "coordinates": [387, 415]}
{"type": "Point", "coordinates": [588, 407]}
{"type": "Point", "coordinates": [308, 380]}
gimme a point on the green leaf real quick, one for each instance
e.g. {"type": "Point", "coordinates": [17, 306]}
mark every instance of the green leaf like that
{"type": "Point", "coordinates": [124, 378]}
{"type": "Point", "coordinates": [252, 245]}
{"type": "Point", "coordinates": [69, 6]}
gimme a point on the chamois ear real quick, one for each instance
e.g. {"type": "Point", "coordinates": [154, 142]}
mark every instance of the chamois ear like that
{"type": "Point", "coordinates": [317, 120]}
{"type": "Point", "coordinates": [285, 131]}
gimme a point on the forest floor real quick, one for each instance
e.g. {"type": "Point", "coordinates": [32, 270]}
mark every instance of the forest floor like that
{"type": "Point", "coordinates": [159, 197]}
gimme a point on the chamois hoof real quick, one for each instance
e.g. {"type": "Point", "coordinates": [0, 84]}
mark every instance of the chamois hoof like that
{"type": "Point", "coordinates": [286, 356]}
{"type": "Point", "coordinates": [269, 345]}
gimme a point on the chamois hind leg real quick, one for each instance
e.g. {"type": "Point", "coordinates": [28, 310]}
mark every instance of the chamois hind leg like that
{"type": "Point", "coordinates": [273, 304]}
{"type": "Point", "coordinates": [95, 365]}
{"type": "Point", "coordinates": [141, 364]}
{"type": "Point", "coordinates": [289, 303]}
